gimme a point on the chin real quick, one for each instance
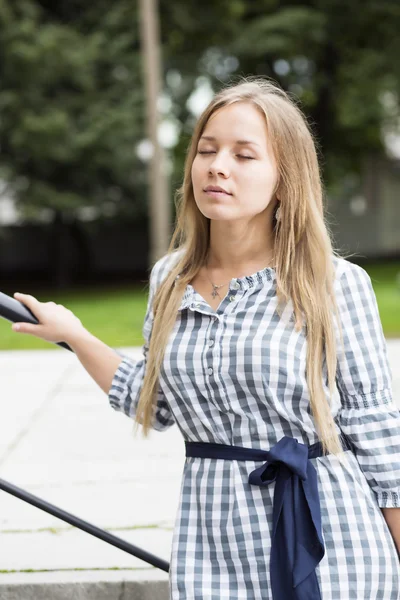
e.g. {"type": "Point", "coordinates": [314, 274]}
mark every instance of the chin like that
{"type": "Point", "coordinates": [217, 211]}
{"type": "Point", "coordinates": [217, 216]}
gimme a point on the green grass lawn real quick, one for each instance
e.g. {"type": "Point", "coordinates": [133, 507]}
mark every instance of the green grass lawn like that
{"type": "Point", "coordinates": [386, 282]}
{"type": "Point", "coordinates": [115, 315]}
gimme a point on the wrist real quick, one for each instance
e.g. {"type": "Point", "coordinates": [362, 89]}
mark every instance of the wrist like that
{"type": "Point", "coordinates": [77, 337]}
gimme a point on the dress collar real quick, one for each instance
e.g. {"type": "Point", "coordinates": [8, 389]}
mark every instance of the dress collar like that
{"type": "Point", "coordinates": [257, 279]}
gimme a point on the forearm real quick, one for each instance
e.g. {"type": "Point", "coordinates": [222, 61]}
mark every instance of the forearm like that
{"type": "Point", "coordinates": [99, 360]}
{"type": "Point", "coordinates": [392, 517]}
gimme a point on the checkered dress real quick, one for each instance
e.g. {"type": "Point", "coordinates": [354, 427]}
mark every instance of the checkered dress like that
{"type": "Point", "coordinates": [236, 376]}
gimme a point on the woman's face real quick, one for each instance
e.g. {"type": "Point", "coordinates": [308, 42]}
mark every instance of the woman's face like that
{"type": "Point", "coordinates": [234, 153]}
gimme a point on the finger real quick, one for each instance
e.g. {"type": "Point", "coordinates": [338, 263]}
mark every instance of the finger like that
{"type": "Point", "coordinates": [26, 328]}
{"type": "Point", "coordinates": [27, 299]}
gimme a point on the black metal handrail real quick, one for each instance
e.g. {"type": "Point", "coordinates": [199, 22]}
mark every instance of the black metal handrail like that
{"type": "Point", "coordinates": [16, 312]}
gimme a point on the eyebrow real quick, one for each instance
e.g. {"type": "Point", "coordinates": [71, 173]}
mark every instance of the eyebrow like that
{"type": "Point", "coordinates": [240, 142]}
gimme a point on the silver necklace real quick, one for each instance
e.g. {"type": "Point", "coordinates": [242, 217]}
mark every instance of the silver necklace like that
{"type": "Point", "coordinates": [214, 292]}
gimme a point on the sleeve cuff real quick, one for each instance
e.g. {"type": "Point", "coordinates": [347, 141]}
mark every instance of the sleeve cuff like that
{"type": "Point", "coordinates": [388, 499]}
{"type": "Point", "coordinates": [375, 398]}
{"type": "Point", "coordinates": [118, 383]}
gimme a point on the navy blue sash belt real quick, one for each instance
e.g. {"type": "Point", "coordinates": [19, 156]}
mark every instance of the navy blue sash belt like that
{"type": "Point", "coordinates": [297, 545]}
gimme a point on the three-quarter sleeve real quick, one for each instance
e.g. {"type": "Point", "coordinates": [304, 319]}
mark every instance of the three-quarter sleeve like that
{"type": "Point", "coordinates": [127, 382]}
{"type": "Point", "coordinates": [368, 416]}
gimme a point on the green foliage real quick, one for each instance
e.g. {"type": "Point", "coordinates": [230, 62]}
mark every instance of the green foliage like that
{"type": "Point", "coordinates": [71, 107]}
{"type": "Point", "coordinates": [341, 61]}
{"type": "Point", "coordinates": [288, 32]}
{"type": "Point", "coordinates": [72, 102]}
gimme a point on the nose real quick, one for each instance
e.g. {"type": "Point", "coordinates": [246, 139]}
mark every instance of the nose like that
{"type": "Point", "coordinates": [219, 166]}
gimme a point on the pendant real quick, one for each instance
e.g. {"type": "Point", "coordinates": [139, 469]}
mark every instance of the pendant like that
{"type": "Point", "coordinates": [214, 293]}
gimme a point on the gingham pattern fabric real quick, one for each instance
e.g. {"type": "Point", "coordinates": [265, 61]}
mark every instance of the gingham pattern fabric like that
{"type": "Point", "coordinates": [236, 375]}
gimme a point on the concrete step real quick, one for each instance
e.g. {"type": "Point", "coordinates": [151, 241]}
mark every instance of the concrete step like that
{"type": "Point", "coordinates": [144, 584]}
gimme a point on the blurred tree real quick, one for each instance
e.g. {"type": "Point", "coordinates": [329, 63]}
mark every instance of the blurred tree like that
{"type": "Point", "coordinates": [71, 105]}
{"type": "Point", "coordinates": [340, 58]}
{"type": "Point", "coordinates": [71, 96]}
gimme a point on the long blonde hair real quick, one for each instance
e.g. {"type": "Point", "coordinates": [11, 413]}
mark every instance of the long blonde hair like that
{"type": "Point", "coordinates": [303, 249]}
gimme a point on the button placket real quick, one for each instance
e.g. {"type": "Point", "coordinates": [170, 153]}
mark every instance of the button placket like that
{"type": "Point", "coordinates": [211, 342]}
{"type": "Point", "coordinates": [233, 290]}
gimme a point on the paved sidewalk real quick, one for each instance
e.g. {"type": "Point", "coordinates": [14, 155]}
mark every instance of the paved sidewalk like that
{"type": "Point", "coordinates": [61, 440]}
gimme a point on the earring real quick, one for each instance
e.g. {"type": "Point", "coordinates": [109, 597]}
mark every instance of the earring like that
{"type": "Point", "coordinates": [278, 213]}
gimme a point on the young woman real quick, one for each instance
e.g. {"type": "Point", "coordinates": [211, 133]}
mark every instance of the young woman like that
{"type": "Point", "coordinates": [252, 319]}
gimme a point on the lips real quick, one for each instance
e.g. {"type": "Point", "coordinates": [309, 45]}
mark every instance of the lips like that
{"type": "Point", "coordinates": [216, 188]}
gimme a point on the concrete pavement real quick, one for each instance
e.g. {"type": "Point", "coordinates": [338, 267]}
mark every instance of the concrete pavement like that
{"type": "Point", "coordinates": [61, 440]}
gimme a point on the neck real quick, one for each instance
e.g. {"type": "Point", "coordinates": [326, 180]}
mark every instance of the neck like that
{"type": "Point", "coordinates": [235, 245]}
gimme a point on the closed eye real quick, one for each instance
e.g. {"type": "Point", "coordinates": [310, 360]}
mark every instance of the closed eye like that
{"type": "Point", "coordinates": [212, 152]}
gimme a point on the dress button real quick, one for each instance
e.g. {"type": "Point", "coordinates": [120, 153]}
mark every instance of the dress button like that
{"type": "Point", "coordinates": [235, 285]}
{"type": "Point", "coordinates": [231, 298]}
{"type": "Point", "coordinates": [211, 343]}
{"type": "Point", "coordinates": [197, 305]}
{"type": "Point", "coordinates": [210, 370]}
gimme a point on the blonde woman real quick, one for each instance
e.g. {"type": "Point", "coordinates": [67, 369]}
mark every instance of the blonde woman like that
{"type": "Point", "coordinates": [252, 319]}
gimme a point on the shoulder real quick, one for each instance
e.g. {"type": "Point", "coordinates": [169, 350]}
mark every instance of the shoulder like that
{"type": "Point", "coordinates": [350, 279]}
{"type": "Point", "coordinates": [163, 266]}
{"type": "Point", "coordinates": [344, 268]}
